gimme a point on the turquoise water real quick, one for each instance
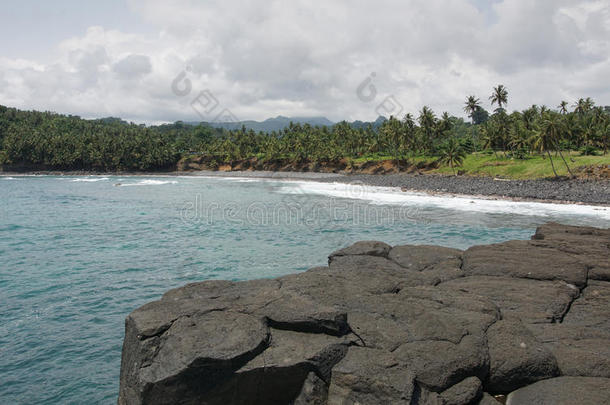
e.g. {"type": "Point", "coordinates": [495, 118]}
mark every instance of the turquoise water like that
{"type": "Point", "coordinates": [77, 254]}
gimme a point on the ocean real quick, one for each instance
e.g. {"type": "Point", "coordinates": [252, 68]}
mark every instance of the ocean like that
{"type": "Point", "coordinates": [78, 253]}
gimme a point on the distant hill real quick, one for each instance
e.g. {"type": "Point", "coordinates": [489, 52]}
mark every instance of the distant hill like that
{"type": "Point", "coordinates": [270, 124]}
{"type": "Point", "coordinates": [375, 124]}
{"type": "Point", "coordinates": [281, 122]}
{"type": "Point", "coordinates": [111, 120]}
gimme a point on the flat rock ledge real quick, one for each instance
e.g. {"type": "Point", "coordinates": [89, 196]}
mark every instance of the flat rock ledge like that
{"type": "Point", "coordinates": [521, 322]}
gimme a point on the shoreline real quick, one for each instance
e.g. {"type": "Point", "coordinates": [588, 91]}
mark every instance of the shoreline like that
{"type": "Point", "coordinates": [560, 191]}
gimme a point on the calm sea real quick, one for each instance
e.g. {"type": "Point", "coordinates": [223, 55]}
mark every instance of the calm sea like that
{"type": "Point", "coordinates": [77, 254]}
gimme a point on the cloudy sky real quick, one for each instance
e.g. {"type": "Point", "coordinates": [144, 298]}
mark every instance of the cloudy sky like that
{"type": "Point", "coordinates": [257, 59]}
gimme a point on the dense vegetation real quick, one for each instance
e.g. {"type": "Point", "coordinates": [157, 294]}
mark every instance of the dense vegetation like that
{"type": "Point", "coordinates": [69, 142]}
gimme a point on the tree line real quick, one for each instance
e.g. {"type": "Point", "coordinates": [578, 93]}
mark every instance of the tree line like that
{"type": "Point", "coordinates": [71, 143]}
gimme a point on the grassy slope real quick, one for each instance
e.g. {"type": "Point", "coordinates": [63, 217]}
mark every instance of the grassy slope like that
{"type": "Point", "coordinates": [533, 167]}
{"type": "Point", "coordinates": [530, 168]}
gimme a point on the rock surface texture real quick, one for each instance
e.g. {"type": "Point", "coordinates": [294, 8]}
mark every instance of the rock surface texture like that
{"type": "Point", "coordinates": [388, 325]}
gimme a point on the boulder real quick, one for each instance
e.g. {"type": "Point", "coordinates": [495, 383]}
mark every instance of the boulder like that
{"type": "Point", "coordinates": [370, 376]}
{"type": "Point", "coordinates": [581, 343]}
{"type": "Point", "coordinates": [436, 264]}
{"type": "Point", "coordinates": [438, 365]}
{"type": "Point", "coordinates": [421, 257]}
{"type": "Point", "coordinates": [366, 248]}
{"type": "Point", "coordinates": [563, 391]}
{"type": "Point", "coordinates": [589, 245]}
{"type": "Point", "coordinates": [535, 259]}
{"type": "Point", "coordinates": [465, 392]}
{"type": "Point", "coordinates": [516, 357]}
{"type": "Point", "coordinates": [531, 301]}
{"type": "Point", "coordinates": [195, 354]}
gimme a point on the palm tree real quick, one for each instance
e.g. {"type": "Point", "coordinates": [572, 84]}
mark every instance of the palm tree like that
{"type": "Point", "coordinates": [530, 116]}
{"type": "Point", "coordinates": [546, 138]}
{"type": "Point", "coordinates": [520, 140]}
{"type": "Point", "coordinates": [589, 103]}
{"type": "Point", "coordinates": [392, 135]}
{"type": "Point", "coordinates": [427, 123]}
{"type": "Point", "coordinates": [563, 107]}
{"type": "Point", "coordinates": [452, 153]}
{"type": "Point", "coordinates": [471, 105]}
{"type": "Point", "coordinates": [499, 96]}
{"type": "Point", "coordinates": [444, 125]}
{"type": "Point", "coordinates": [409, 128]}
{"type": "Point", "coordinates": [583, 105]}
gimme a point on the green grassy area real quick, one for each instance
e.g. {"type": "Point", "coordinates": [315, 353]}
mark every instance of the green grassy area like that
{"type": "Point", "coordinates": [486, 164]}
{"type": "Point", "coordinates": [533, 167]}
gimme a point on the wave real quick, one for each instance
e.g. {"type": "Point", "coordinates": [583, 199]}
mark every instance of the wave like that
{"type": "Point", "coordinates": [235, 179]}
{"type": "Point", "coordinates": [90, 180]}
{"type": "Point", "coordinates": [149, 183]}
{"type": "Point", "coordinates": [9, 178]}
{"type": "Point", "coordinates": [394, 196]}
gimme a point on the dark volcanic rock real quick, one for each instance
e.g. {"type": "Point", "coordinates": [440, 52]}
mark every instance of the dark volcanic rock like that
{"type": "Point", "coordinates": [367, 248]}
{"type": "Point", "coordinates": [371, 376]}
{"type": "Point", "coordinates": [487, 399]}
{"type": "Point", "coordinates": [517, 358]}
{"type": "Point", "coordinates": [563, 391]}
{"type": "Point", "coordinates": [464, 392]}
{"type": "Point", "coordinates": [423, 257]}
{"type": "Point", "coordinates": [589, 245]}
{"type": "Point", "coordinates": [536, 259]}
{"type": "Point", "coordinates": [581, 343]}
{"type": "Point", "coordinates": [532, 301]}
{"type": "Point", "coordinates": [408, 324]}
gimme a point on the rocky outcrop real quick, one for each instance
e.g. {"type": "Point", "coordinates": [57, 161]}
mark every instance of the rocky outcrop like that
{"type": "Point", "coordinates": [381, 324]}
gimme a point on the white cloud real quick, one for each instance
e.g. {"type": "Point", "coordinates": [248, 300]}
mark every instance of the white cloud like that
{"type": "Point", "coordinates": [264, 58]}
{"type": "Point", "coordinates": [133, 66]}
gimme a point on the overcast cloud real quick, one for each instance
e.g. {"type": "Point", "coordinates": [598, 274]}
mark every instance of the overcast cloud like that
{"type": "Point", "coordinates": [304, 58]}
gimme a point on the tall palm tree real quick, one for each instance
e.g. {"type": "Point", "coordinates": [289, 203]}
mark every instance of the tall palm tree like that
{"type": "Point", "coordinates": [563, 107]}
{"type": "Point", "coordinates": [427, 123]}
{"type": "Point", "coordinates": [392, 138]}
{"type": "Point", "coordinates": [499, 96]}
{"type": "Point", "coordinates": [444, 124]}
{"type": "Point", "coordinates": [519, 139]}
{"type": "Point", "coordinates": [529, 117]}
{"type": "Point", "coordinates": [452, 153]}
{"type": "Point", "coordinates": [546, 139]}
{"type": "Point", "coordinates": [409, 128]}
{"type": "Point", "coordinates": [583, 105]}
{"type": "Point", "coordinates": [471, 105]}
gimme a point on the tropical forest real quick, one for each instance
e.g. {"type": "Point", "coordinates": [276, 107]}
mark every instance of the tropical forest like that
{"type": "Point", "coordinates": [536, 142]}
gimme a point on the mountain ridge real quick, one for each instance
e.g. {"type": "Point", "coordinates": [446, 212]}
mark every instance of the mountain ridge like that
{"type": "Point", "coordinates": [280, 122]}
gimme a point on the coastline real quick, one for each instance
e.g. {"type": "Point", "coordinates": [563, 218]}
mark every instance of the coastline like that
{"type": "Point", "coordinates": [563, 191]}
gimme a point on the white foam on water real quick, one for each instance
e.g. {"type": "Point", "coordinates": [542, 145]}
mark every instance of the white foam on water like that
{"type": "Point", "coordinates": [150, 183]}
{"type": "Point", "coordinates": [394, 196]}
{"type": "Point", "coordinates": [9, 178]}
{"type": "Point", "coordinates": [231, 178]}
{"type": "Point", "coordinates": [241, 180]}
{"type": "Point", "coordinates": [90, 179]}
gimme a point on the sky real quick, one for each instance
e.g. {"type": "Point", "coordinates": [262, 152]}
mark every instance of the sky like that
{"type": "Point", "coordinates": [151, 61]}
